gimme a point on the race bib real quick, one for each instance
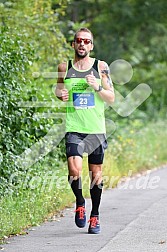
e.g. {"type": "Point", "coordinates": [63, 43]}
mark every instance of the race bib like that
{"type": "Point", "coordinates": [83, 100]}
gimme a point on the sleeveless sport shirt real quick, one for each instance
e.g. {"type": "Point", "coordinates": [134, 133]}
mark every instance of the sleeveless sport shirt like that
{"type": "Point", "coordinates": [85, 109]}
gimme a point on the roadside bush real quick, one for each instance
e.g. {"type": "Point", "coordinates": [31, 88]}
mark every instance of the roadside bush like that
{"type": "Point", "coordinates": [19, 129]}
{"type": "Point", "coordinates": [15, 136]}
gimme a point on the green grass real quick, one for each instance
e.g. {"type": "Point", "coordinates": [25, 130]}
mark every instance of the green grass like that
{"type": "Point", "coordinates": [136, 150]}
{"type": "Point", "coordinates": [30, 208]}
{"type": "Point", "coordinates": [132, 149]}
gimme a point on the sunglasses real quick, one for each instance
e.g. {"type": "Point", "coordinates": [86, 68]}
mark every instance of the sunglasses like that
{"type": "Point", "coordinates": [86, 41]}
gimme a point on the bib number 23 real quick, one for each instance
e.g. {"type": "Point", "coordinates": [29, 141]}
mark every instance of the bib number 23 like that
{"type": "Point", "coordinates": [83, 100]}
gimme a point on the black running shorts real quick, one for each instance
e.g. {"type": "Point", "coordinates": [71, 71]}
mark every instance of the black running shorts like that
{"type": "Point", "coordinates": [93, 144]}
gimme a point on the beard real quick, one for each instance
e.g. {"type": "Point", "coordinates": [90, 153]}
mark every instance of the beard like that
{"type": "Point", "coordinates": [81, 55]}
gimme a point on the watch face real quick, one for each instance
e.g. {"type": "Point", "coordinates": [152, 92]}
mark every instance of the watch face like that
{"type": "Point", "coordinates": [100, 88]}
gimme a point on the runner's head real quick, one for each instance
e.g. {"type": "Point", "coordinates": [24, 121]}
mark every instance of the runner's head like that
{"type": "Point", "coordinates": [83, 42]}
{"type": "Point", "coordinates": [83, 30]}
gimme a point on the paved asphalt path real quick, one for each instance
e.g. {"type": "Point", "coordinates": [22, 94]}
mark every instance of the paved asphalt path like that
{"type": "Point", "coordinates": [133, 219]}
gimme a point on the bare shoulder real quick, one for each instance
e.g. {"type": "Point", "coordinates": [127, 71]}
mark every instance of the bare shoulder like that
{"type": "Point", "coordinates": [103, 66]}
{"type": "Point", "coordinates": [104, 69]}
{"type": "Point", "coordinates": [62, 67]}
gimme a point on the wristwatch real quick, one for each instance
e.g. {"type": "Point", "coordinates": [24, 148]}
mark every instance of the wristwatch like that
{"type": "Point", "coordinates": [99, 89]}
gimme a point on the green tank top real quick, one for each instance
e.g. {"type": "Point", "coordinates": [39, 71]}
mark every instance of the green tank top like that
{"type": "Point", "coordinates": [85, 109]}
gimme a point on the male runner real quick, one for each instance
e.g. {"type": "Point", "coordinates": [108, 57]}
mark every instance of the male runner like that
{"type": "Point", "coordinates": [84, 84]}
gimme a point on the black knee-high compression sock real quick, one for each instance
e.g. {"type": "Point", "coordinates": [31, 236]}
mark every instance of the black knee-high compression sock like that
{"type": "Point", "coordinates": [95, 193]}
{"type": "Point", "coordinates": [76, 186]}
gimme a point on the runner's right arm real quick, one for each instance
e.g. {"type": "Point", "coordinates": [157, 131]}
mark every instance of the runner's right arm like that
{"type": "Point", "coordinates": [61, 92]}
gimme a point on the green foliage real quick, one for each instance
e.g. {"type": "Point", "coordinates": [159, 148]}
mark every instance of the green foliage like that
{"type": "Point", "coordinates": [135, 149]}
{"type": "Point", "coordinates": [15, 134]}
{"type": "Point", "coordinates": [39, 21]}
{"type": "Point", "coordinates": [38, 48]}
{"type": "Point", "coordinates": [19, 129]}
{"type": "Point", "coordinates": [38, 197]}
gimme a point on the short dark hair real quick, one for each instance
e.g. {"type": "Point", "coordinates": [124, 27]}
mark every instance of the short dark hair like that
{"type": "Point", "coordinates": [83, 29]}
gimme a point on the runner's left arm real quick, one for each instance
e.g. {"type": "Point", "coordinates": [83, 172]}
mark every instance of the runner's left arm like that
{"type": "Point", "coordinates": [107, 93]}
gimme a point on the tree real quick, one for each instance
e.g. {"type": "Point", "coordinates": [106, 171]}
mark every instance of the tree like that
{"type": "Point", "coordinates": [40, 24]}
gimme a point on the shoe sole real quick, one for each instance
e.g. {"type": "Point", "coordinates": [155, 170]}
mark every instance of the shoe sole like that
{"type": "Point", "coordinates": [80, 225]}
{"type": "Point", "coordinates": [93, 232]}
